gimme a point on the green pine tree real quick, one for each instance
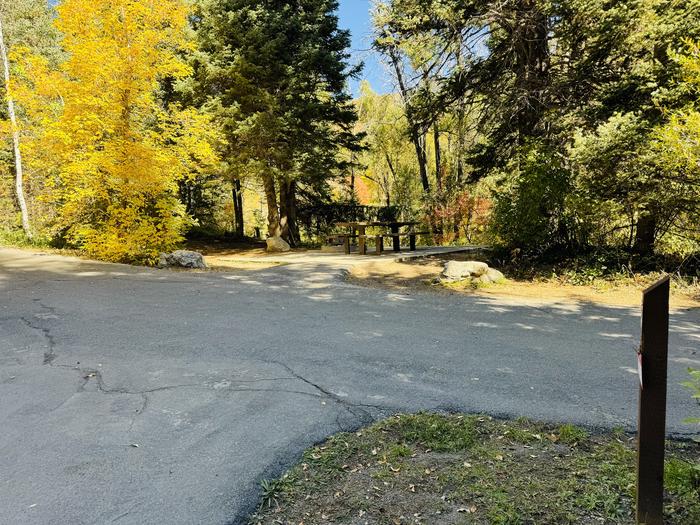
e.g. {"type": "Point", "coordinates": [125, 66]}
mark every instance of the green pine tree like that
{"type": "Point", "coordinates": [274, 72]}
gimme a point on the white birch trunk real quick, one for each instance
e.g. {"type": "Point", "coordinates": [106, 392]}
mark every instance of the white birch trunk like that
{"type": "Point", "coordinates": [19, 174]}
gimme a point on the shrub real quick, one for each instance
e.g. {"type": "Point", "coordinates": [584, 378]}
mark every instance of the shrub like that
{"type": "Point", "coordinates": [531, 211]}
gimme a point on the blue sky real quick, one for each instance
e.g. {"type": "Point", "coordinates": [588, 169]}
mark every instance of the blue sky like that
{"type": "Point", "coordinates": [355, 16]}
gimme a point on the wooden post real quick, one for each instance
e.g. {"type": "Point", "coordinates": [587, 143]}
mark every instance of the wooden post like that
{"type": "Point", "coordinates": [362, 241]}
{"type": "Point", "coordinates": [651, 432]}
{"type": "Point", "coordinates": [395, 238]}
{"type": "Point", "coordinates": [412, 241]}
{"type": "Point", "coordinates": [346, 244]}
{"type": "Point", "coordinates": [379, 243]}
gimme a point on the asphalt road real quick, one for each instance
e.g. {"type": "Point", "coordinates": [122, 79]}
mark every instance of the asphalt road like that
{"type": "Point", "coordinates": [138, 396]}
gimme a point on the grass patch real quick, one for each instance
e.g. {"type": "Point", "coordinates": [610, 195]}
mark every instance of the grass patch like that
{"type": "Point", "coordinates": [448, 469]}
{"type": "Point", "coordinates": [273, 490]}
{"type": "Point", "coordinates": [17, 239]}
{"type": "Point", "coordinates": [682, 476]}
{"type": "Point", "coordinates": [572, 434]}
{"type": "Point", "coordinates": [434, 432]}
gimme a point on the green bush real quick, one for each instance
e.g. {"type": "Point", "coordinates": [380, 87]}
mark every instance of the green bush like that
{"type": "Point", "coordinates": [531, 210]}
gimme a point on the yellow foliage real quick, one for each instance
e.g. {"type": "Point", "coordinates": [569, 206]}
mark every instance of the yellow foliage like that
{"type": "Point", "coordinates": [690, 61]}
{"type": "Point", "coordinates": [113, 155]}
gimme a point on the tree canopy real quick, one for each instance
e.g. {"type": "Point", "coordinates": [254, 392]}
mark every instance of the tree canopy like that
{"type": "Point", "coordinates": [569, 98]}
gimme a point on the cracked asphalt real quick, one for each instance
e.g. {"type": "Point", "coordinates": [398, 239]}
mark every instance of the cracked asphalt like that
{"type": "Point", "coordinates": [142, 396]}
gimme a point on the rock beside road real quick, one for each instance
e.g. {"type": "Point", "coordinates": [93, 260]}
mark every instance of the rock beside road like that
{"type": "Point", "coordinates": [182, 259]}
{"type": "Point", "coordinates": [474, 270]}
{"type": "Point", "coordinates": [458, 270]}
{"type": "Point", "coordinates": [492, 276]}
{"type": "Point", "coordinates": [277, 245]}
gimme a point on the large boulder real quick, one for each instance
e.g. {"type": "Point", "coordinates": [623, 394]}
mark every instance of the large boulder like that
{"type": "Point", "coordinates": [182, 259]}
{"type": "Point", "coordinates": [277, 245]}
{"type": "Point", "coordinates": [459, 270]}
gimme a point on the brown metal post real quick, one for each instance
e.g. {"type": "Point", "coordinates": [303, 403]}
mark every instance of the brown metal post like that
{"type": "Point", "coordinates": [651, 432]}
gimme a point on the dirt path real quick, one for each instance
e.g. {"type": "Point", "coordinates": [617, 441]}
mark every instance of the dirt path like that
{"type": "Point", "coordinates": [421, 275]}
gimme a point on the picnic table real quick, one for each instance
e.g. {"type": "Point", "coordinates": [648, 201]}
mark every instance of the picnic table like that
{"type": "Point", "coordinates": [391, 229]}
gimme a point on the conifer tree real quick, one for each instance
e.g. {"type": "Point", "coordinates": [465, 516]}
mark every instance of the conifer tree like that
{"type": "Point", "coordinates": [274, 73]}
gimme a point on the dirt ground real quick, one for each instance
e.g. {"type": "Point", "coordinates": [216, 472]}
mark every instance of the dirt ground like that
{"type": "Point", "coordinates": [233, 255]}
{"type": "Point", "coordinates": [426, 469]}
{"type": "Point", "coordinates": [421, 275]}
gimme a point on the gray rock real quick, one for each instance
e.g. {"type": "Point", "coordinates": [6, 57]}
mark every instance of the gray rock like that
{"type": "Point", "coordinates": [492, 276]}
{"type": "Point", "coordinates": [277, 245]}
{"type": "Point", "coordinates": [458, 270]}
{"type": "Point", "coordinates": [496, 275]}
{"type": "Point", "coordinates": [182, 259]}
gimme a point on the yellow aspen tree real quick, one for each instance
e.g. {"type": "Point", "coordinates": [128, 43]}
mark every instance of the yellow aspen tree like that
{"type": "Point", "coordinates": [117, 151]}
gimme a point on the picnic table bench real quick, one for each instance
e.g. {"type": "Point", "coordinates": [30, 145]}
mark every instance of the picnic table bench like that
{"type": "Point", "coordinates": [358, 230]}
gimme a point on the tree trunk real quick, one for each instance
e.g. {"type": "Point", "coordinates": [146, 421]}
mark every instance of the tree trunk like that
{"type": "Point", "coordinates": [419, 144]}
{"type": "Point", "coordinates": [461, 141]}
{"type": "Point", "coordinates": [460, 124]}
{"type": "Point", "coordinates": [19, 173]}
{"type": "Point", "coordinates": [413, 126]}
{"type": "Point", "coordinates": [390, 184]}
{"type": "Point", "coordinates": [353, 196]}
{"type": "Point", "coordinates": [646, 234]}
{"type": "Point", "coordinates": [438, 160]}
{"type": "Point", "coordinates": [292, 222]}
{"type": "Point", "coordinates": [274, 228]}
{"type": "Point", "coordinates": [530, 41]}
{"type": "Point", "coordinates": [288, 208]}
{"type": "Point", "coordinates": [284, 212]}
{"type": "Point", "coordinates": [237, 195]}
